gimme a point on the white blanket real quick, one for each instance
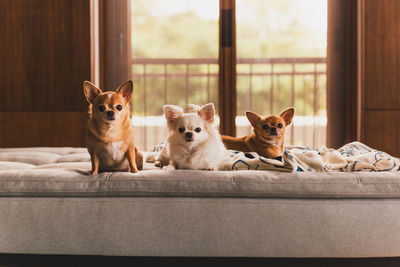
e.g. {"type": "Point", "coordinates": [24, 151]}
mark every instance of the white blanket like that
{"type": "Point", "coordinates": [351, 157]}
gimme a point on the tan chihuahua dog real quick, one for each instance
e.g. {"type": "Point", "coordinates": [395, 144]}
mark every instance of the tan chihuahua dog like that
{"type": "Point", "coordinates": [267, 137]}
{"type": "Point", "coordinates": [110, 139]}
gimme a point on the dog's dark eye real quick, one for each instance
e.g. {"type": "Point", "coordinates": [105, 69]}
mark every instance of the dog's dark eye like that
{"type": "Point", "coordinates": [197, 130]}
{"type": "Point", "coordinates": [119, 107]}
{"type": "Point", "coordinates": [265, 127]}
{"type": "Point", "coordinates": [181, 129]}
{"type": "Point", "coordinates": [102, 108]}
{"type": "Point", "coordinates": [280, 125]}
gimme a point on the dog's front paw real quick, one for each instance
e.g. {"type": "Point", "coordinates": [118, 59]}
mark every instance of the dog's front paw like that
{"type": "Point", "coordinates": [134, 170]}
{"type": "Point", "coordinates": [209, 169]}
{"type": "Point", "coordinates": [161, 162]}
{"type": "Point", "coordinates": [169, 168]}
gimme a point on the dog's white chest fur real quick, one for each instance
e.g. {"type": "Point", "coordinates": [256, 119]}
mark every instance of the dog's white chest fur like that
{"type": "Point", "coordinates": [112, 155]}
{"type": "Point", "coordinates": [114, 150]}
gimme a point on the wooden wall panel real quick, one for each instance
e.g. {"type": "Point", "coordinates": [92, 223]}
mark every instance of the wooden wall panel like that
{"type": "Point", "coordinates": [342, 72]}
{"type": "Point", "coordinates": [380, 78]}
{"type": "Point", "coordinates": [227, 67]}
{"type": "Point", "coordinates": [44, 49]}
{"type": "Point", "coordinates": [21, 129]}
{"type": "Point", "coordinates": [116, 43]}
{"type": "Point", "coordinates": [383, 130]}
{"type": "Point", "coordinates": [44, 59]}
{"type": "Point", "coordinates": [382, 54]}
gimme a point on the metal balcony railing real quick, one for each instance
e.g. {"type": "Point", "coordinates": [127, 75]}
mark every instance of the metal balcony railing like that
{"type": "Point", "coordinates": [265, 85]}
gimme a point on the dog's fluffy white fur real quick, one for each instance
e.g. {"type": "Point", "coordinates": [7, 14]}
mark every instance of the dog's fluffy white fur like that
{"type": "Point", "coordinates": [193, 141]}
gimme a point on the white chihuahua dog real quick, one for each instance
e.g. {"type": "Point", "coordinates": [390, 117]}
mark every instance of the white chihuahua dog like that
{"type": "Point", "coordinates": [193, 141]}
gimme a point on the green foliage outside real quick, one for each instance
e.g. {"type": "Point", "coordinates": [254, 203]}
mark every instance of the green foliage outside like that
{"type": "Point", "coordinates": [265, 29]}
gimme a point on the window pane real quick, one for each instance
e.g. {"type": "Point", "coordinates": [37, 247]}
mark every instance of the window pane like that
{"type": "Point", "coordinates": [281, 48]}
{"type": "Point", "coordinates": [175, 51]}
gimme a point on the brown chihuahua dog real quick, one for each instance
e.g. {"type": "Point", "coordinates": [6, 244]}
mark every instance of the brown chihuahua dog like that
{"type": "Point", "coordinates": [267, 137]}
{"type": "Point", "coordinates": [110, 139]}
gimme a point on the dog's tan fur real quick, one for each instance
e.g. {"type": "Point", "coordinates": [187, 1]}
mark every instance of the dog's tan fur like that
{"type": "Point", "coordinates": [111, 142]}
{"type": "Point", "coordinates": [261, 140]}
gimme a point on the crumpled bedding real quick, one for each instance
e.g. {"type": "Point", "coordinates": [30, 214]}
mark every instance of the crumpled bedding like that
{"type": "Point", "coordinates": [352, 157]}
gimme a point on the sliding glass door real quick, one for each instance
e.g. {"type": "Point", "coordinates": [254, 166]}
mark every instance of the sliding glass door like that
{"type": "Point", "coordinates": [263, 56]}
{"type": "Point", "coordinates": [281, 63]}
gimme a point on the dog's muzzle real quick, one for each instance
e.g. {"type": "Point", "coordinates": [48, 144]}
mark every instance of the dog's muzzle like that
{"type": "Point", "coordinates": [188, 137]}
{"type": "Point", "coordinates": [110, 115]}
{"type": "Point", "coordinates": [273, 131]}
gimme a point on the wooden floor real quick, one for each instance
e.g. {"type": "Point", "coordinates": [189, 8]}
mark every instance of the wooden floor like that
{"type": "Point", "coordinates": [10, 260]}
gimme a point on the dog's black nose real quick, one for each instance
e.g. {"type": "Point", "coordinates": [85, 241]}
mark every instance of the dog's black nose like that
{"type": "Point", "coordinates": [110, 113]}
{"type": "Point", "coordinates": [189, 135]}
{"type": "Point", "coordinates": [273, 130]}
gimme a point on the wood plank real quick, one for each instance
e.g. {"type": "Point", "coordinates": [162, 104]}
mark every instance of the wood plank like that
{"type": "Point", "coordinates": [382, 130]}
{"type": "Point", "coordinates": [45, 54]}
{"type": "Point", "coordinates": [382, 54]}
{"type": "Point", "coordinates": [21, 129]}
{"type": "Point", "coordinates": [342, 108]}
{"type": "Point", "coordinates": [227, 68]}
{"type": "Point", "coordinates": [116, 40]}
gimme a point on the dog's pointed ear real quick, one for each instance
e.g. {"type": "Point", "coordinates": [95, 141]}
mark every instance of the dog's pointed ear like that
{"type": "Point", "coordinates": [207, 112]}
{"type": "Point", "coordinates": [91, 91]}
{"type": "Point", "coordinates": [253, 118]}
{"type": "Point", "coordinates": [287, 115]}
{"type": "Point", "coordinates": [126, 90]}
{"type": "Point", "coordinates": [172, 113]}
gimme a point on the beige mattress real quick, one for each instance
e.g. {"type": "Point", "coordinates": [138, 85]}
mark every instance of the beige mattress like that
{"type": "Point", "coordinates": [50, 205]}
{"type": "Point", "coordinates": [65, 172]}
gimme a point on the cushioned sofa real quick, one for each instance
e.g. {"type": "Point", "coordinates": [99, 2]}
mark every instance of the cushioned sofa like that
{"type": "Point", "coordinates": [50, 205]}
